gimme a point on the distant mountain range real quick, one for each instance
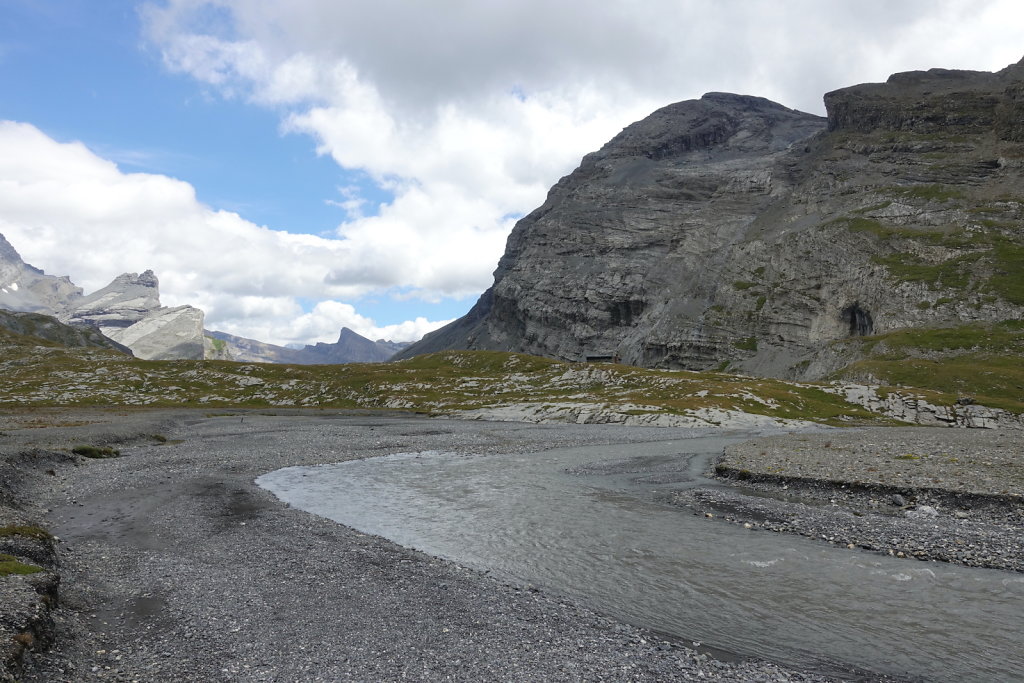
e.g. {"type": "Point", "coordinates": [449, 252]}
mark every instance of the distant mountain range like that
{"type": "Point", "coordinates": [350, 348]}
{"type": "Point", "coordinates": [127, 312]}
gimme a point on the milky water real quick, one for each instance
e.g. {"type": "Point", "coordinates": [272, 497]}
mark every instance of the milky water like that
{"type": "Point", "coordinates": [591, 523]}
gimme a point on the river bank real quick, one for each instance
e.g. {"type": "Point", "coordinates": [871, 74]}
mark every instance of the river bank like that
{"type": "Point", "coordinates": [173, 565]}
{"type": "Point", "coordinates": [949, 495]}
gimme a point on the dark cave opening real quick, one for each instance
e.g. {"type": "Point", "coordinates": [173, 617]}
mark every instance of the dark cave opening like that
{"type": "Point", "coordinates": [859, 319]}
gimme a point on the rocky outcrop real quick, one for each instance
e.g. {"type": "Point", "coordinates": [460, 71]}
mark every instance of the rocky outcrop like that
{"type": "Point", "coordinates": [36, 326]}
{"type": "Point", "coordinates": [127, 311]}
{"type": "Point", "coordinates": [164, 334]}
{"type": "Point", "coordinates": [124, 302]}
{"type": "Point", "coordinates": [733, 233]}
{"type": "Point", "coordinates": [350, 348]}
{"type": "Point", "coordinates": [26, 288]}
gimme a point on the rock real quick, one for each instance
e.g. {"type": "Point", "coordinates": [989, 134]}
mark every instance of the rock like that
{"type": "Point", "coordinates": [26, 288]}
{"type": "Point", "coordinates": [923, 511]}
{"type": "Point", "coordinates": [897, 500]}
{"type": "Point", "coordinates": [732, 232]}
{"type": "Point", "coordinates": [164, 334]}
{"type": "Point", "coordinates": [127, 311]}
{"type": "Point", "coordinates": [124, 302]}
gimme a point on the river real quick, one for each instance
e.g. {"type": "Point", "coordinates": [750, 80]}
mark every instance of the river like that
{"type": "Point", "coordinates": [593, 524]}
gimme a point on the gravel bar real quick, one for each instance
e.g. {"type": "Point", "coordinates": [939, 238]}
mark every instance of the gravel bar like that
{"type": "Point", "coordinates": [933, 494]}
{"type": "Point", "coordinates": [175, 566]}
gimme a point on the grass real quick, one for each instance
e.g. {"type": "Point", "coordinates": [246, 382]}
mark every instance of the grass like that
{"type": "Point", "coordinates": [25, 532]}
{"type": "Point", "coordinates": [952, 274]}
{"type": "Point", "coordinates": [10, 565]}
{"type": "Point", "coordinates": [746, 344]}
{"type": "Point", "coordinates": [984, 362]}
{"type": "Point", "coordinates": [991, 258]}
{"type": "Point", "coordinates": [930, 193]}
{"type": "Point", "coordinates": [742, 285]}
{"type": "Point", "coordinates": [435, 383]}
{"type": "Point", "coordinates": [451, 381]}
{"type": "Point", "coordinates": [98, 452]}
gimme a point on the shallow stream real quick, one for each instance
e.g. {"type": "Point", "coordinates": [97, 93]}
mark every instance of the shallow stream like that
{"type": "Point", "coordinates": [591, 523]}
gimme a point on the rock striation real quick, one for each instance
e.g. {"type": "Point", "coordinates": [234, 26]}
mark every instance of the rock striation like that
{"type": "Point", "coordinates": [128, 311]}
{"type": "Point", "coordinates": [733, 233]}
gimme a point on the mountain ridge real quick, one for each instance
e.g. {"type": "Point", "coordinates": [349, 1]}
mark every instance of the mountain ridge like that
{"type": "Point", "coordinates": [732, 232]}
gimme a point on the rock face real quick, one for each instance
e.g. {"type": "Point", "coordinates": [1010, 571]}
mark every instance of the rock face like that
{"type": "Point", "coordinates": [732, 232]}
{"type": "Point", "coordinates": [124, 302]}
{"type": "Point", "coordinates": [25, 288]}
{"type": "Point", "coordinates": [127, 311]}
{"type": "Point", "coordinates": [350, 348]}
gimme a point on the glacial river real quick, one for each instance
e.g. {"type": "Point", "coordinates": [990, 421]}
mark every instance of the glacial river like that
{"type": "Point", "coordinates": [590, 523]}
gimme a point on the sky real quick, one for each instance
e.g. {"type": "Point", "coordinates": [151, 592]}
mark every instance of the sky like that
{"type": "Point", "coordinates": [297, 167]}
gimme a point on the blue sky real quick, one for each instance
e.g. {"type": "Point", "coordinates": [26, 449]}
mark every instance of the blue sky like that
{"type": "Point", "coordinates": [81, 70]}
{"type": "Point", "coordinates": [295, 167]}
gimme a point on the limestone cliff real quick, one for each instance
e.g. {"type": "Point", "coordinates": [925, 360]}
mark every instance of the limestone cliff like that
{"type": "Point", "coordinates": [732, 232]}
{"type": "Point", "coordinates": [26, 288]}
{"type": "Point", "coordinates": [127, 311]}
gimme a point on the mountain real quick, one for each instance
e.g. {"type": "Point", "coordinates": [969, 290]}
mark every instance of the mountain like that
{"type": "Point", "coordinates": [36, 326]}
{"type": "Point", "coordinates": [732, 232]}
{"type": "Point", "coordinates": [350, 348]}
{"type": "Point", "coordinates": [127, 311]}
{"type": "Point", "coordinates": [26, 288]}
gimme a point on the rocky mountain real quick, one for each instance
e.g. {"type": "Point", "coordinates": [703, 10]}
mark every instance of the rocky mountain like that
{"type": "Point", "coordinates": [732, 232]}
{"type": "Point", "coordinates": [47, 328]}
{"type": "Point", "coordinates": [350, 348]}
{"type": "Point", "coordinates": [26, 288]}
{"type": "Point", "coordinates": [127, 311]}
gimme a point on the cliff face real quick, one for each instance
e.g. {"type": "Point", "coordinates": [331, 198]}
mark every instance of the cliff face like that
{"type": "Point", "coordinates": [25, 288]}
{"type": "Point", "coordinates": [733, 232]}
{"type": "Point", "coordinates": [127, 311]}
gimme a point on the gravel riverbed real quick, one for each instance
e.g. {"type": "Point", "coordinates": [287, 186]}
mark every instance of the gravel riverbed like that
{"type": "Point", "coordinates": [175, 566]}
{"type": "Point", "coordinates": [932, 494]}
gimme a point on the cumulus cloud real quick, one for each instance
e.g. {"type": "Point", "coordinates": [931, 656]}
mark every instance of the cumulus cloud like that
{"type": "Point", "coordinates": [468, 111]}
{"type": "Point", "coordinates": [67, 209]}
{"type": "Point", "coordinates": [465, 112]}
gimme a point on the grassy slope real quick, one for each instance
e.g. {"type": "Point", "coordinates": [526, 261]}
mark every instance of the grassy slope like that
{"type": "Point", "coordinates": [983, 362]}
{"type": "Point", "coordinates": [43, 375]}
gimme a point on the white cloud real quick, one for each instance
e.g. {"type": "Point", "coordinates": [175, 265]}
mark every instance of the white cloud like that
{"type": "Point", "coordinates": [325, 321]}
{"type": "Point", "coordinates": [468, 111]}
{"type": "Point", "coordinates": [465, 111]}
{"type": "Point", "coordinates": [74, 213]}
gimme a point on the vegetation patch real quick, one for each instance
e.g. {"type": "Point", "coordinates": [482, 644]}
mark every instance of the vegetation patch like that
{"type": "Point", "coordinates": [25, 531]}
{"type": "Point", "coordinates": [746, 344]}
{"type": "Point", "coordinates": [10, 565]}
{"type": "Point", "coordinates": [743, 285]}
{"type": "Point", "coordinates": [96, 451]}
{"type": "Point", "coordinates": [985, 362]}
{"type": "Point", "coordinates": [931, 193]}
{"type": "Point", "coordinates": [952, 274]}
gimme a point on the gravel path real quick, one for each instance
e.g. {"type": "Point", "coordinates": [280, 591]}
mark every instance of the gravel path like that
{"type": "Point", "coordinates": [175, 567]}
{"type": "Point", "coordinates": [951, 495]}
